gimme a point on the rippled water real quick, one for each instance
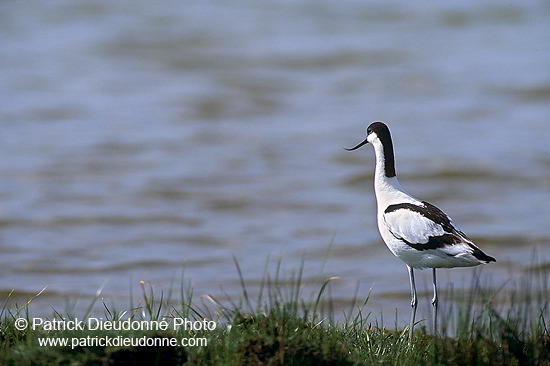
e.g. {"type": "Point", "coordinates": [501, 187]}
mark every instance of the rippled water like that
{"type": "Point", "coordinates": [138, 140]}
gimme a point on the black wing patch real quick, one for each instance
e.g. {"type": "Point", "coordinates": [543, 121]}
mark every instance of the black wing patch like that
{"type": "Point", "coordinates": [430, 212]}
{"type": "Point", "coordinates": [435, 242]}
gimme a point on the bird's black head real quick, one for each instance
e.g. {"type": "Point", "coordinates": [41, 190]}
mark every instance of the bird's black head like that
{"type": "Point", "coordinates": [382, 132]}
{"type": "Point", "coordinates": [378, 128]}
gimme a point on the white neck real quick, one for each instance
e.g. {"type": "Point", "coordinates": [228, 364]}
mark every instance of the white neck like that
{"type": "Point", "coordinates": [387, 189]}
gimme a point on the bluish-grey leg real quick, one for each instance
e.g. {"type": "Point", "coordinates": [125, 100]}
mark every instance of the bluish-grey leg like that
{"type": "Point", "coordinates": [414, 302]}
{"type": "Point", "coordinates": [434, 303]}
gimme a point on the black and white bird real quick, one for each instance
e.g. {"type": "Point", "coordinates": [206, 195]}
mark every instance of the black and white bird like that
{"type": "Point", "coordinates": [415, 231]}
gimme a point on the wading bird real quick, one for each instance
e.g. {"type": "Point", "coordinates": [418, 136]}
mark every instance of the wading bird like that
{"type": "Point", "coordinates": [418, 233]}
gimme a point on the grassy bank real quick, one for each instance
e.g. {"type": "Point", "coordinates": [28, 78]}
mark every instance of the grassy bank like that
{"type": "Point", "coordinates": [281, 326]}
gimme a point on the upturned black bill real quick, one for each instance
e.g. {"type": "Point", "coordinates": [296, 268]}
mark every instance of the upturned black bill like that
{"type": "Point", "coordinates": [358, 146]}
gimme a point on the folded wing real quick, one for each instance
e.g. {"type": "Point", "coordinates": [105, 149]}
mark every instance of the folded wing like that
{"type": "Point", "coordinates": [423, 226]}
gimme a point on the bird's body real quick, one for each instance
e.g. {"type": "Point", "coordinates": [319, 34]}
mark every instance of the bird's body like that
{"type": "Point", "coordinates": [417, 232]}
